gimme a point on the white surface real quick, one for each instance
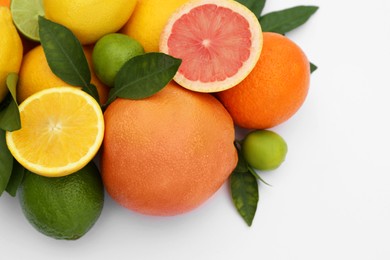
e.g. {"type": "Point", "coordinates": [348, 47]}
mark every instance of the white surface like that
{"type": "Point", "coordinates": [329, 200]}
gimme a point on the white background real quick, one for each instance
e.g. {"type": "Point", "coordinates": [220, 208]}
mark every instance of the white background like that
{"type": "Point", "coordinates": [329, 200]}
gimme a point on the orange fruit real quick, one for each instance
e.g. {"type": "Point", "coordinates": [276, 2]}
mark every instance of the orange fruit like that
{"type": "Point", "coordinates": [5, 3]}
{"type": "Point", "coordinates": [274, 90]}
{"type": "Point", "coordinates": [219, 42]}
{"type": "Point", "coordinates": [35, 75]}
{"type": "Point", "coordinates": [167, 154]}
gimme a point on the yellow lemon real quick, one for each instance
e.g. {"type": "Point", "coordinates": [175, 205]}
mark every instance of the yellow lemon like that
{"type": "Point", "coordinates": [35, 75]}
{"type": "Point", "coordinates": [148, 21]}
{"type": "Point", "coordinates": [89, 20]}
{"type": "Point", "coordinates": [11, 49]}
{"type": "Point", "coordinates": [62, 130]}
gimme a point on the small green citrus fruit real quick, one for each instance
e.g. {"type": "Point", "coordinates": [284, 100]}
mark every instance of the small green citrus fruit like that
{"type": "Point", "coordinates": [264, 150]}
{"type": "Point", "coordinates": [111, 52]}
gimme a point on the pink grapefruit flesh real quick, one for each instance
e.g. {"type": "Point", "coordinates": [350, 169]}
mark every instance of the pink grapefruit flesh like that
{"type": "Point", "coordinates": [219, 42]}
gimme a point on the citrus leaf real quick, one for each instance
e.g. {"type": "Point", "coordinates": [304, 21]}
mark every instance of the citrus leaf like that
{"type": "Point", "coordinates": [6, 162]}
{"type": "Point", "coordinates": [257, 176]}
{"type": "Point", "coordinates": [15, 179]}
{"type": "Point", "coordinates": [245, 194]}
{"type": "Point", "coordinates": [256, 6]}
{"type": "Point", "coordinates": [144, 75]}
{"type": "Point", "coordinates": [242, 165]}
{"type": "Point", "coordinates": [286, 20]}
{"type": "Point", "coordinates": [9, 116]}
{"type": "Point", "coordinates": [65, 55]}
{"type": "Point", "coordinates": [92, 91]}
{"type": "Point", "coordinates": [313, 67]}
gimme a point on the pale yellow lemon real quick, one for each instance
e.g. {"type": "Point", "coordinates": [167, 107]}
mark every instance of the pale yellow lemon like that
{"type": "Point", "coordinates": [11, 49]}
{"type": "Point", "coordinates": [89, 20]}
{"type": "Point", "coordinates": [148, 21]}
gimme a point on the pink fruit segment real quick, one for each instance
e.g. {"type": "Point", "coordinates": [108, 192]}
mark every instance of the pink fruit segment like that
{"type": "Point", "coordinates": [218, 41]}
{"type": "Point", "coordinates": [213, 40]}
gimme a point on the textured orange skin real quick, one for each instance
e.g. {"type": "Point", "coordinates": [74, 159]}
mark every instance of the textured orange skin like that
{"type": "Point", "coordinates": [5, 3]}
{"type": "Point", "coordinates": [36, 74]}
{"type": "Point", "coordinates": [274, 90]}
{"type": "Point", "coordinates": [167, 154]}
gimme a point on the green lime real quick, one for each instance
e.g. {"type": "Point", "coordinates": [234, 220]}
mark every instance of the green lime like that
{"type": "Point", "coordinates": [63, 207]}
{"type": "Point", "coordinates": [264, 150]}
{"type": "Point", "coordinates": [111, 52]}
{"type": "Point", "coordinates": [25, 15]}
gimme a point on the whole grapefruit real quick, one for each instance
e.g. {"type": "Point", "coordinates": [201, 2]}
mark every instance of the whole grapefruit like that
{"type": "Point", "coordinates": [167, 154]}
{"type": "Point", "coordinates": [274, 90]}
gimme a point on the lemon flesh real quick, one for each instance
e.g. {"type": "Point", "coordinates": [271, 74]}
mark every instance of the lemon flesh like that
{"type": "Point", "coordinates": [62, 130]}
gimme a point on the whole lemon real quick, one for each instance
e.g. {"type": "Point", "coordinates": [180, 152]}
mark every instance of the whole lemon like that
{"type": "Point", "coordinates": [35, 75]}
{"type": "Point", "coordinates": [89, 20]}
{"type": "Point", "coordinates": [11, 49]}
{"type": "Point", "coordinates": [148, 21]}
{"type": "Point", "coordinates": [63, 207]}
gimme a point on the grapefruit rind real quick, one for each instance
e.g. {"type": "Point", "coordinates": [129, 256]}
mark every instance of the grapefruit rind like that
{"type": "Point", "coordinates": [247, 65]}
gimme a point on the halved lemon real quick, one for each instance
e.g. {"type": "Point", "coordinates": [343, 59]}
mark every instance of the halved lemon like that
{"type": "Point", "coordinates": [62, 130]}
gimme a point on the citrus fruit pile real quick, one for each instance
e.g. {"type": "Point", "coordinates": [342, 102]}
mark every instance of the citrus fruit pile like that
{"type": "Point", "coordinates": [142, 100]}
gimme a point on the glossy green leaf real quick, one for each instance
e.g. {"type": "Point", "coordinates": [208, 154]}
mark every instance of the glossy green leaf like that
{"type": "Point", "coordinates": [9, 115]}
{"type": "Point", "coordinates": [65, 55]}
{"type": "Point", "coordinates": [286, 20]}
{"type": "Point", "coordinates": [16, 179]}
{"type": "Point", "coordinates": [6, 162]}
{"type": "Point", "coordinates": [144, 75]}
{"type": "Point", "coordinates": [313, 67]}
{"type": "Point", "coordinates": [256, 6]}
{"type": "Point", "coordinates": [245, 194]}
{"type": "Point", "coordinates": [242, 165]}
{"type": "Point", "coordinates": [257, 176]}
{"type": "Point", "coordinates": [92, 91]}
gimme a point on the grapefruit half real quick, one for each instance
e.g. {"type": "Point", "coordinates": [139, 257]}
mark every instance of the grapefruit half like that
{"type": "Point", "coordinates": [219, 42]}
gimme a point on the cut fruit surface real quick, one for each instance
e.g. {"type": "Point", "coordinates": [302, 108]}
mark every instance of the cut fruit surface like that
{"type": "Point", "coordinates": [219, 42]}
{"type": "Point", "coordinates": [62, 130]}
{"type": "Point", "coordinates": [25, 15]}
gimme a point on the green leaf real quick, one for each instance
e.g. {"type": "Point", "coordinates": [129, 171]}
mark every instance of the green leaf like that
{"type": "Point", "coordinates": [245, 194]}
{"type": "Point", "coordinates": [242, 164]}
{"type": "Point", "coordinates": [313, 67]}
{"type": "Point", "coordinates": [16, 179]}
{"type": "Point", "coordinates": [144, 75]}
{"type": "Point", "coordinates": [65, 55]}
{"type": "Point", "coordinates": [286, 20]}
{"type": "Point", "coordinates": [9, 116]}
{"type": "Point", "coordinates": [92, 91]}
{"type": "Point", "coordinates": [256, 6]}
{"type": "Point", "coordinates": [6, 162]}
{"type": "Point", "coordinates": [257, 176]}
